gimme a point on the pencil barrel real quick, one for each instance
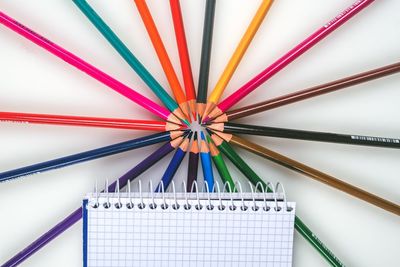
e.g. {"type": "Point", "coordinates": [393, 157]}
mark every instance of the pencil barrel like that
{"type": "Point", "coordinates": [313, 91]}
{"type": "Point", "coordinates": [192, 170]}
{"type": "Point", "coordinates": [208, 29]}
{"type": "Point", "coordinates": [317, 175]}
{"type": "Point", "coordinates": [312, 135]}
{"type": "Point", "coordinates": [84, 156]}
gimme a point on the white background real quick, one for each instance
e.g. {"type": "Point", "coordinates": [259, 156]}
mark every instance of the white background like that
{"type": "Point", "coordinates": [32, 80]}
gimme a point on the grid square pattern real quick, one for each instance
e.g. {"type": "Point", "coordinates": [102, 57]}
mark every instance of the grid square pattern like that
{"type": "Point", "coordinates": [189, 237]}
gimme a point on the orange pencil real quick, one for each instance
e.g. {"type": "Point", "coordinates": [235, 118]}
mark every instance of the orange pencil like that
{"type": "Point", "coordinates": [163, 56]}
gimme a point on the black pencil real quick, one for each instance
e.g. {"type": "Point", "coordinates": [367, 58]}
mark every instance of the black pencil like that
{"type": "Point", "coordinates": [351, 139]}
{"type": "Point", "coordinates": [205, 57]}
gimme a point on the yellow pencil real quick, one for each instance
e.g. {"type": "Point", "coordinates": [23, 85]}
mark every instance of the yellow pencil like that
{"type": "Point", "coordinates": [237, 56]}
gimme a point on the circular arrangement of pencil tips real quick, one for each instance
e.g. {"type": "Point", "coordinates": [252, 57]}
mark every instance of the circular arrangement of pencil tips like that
{"type": "Point", "coordinates": [185, 111]}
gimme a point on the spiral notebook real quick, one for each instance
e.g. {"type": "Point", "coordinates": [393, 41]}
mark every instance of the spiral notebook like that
{"type": "Point", "coordinates": [187, 229]}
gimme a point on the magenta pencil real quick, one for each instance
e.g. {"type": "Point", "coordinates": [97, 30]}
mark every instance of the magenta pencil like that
{"type": "Point", "coordinates": [290, 56]}
{"type": "Point", "coordinates": [87, 68]}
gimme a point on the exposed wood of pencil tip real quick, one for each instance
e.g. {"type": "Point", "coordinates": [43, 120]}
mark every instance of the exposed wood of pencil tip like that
{"type": "Point", "coordinates": [204, 147]}
{"type": "Point", "coordinates": [169, 126]}
{"type": "Point", "coordinates": [185, 144]}
{"type": "Point", "coordinates": [176, 142]}
{"type": "Point", "coordinates": [195, 146]}
{"type": "Point", "coordinates": [176, 134]}
{"type": "Point", "coordinates": [317, 175]}
{"type": "Point", "coordinates": [213, 149]}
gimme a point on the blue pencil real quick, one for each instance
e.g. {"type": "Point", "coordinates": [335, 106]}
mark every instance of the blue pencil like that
{"type": "Point", "coordinates": [206, 163]}
{"type": "Point", "coordinates": [174, 165]}
{"type": "Point", "coordinates": [89, 155]}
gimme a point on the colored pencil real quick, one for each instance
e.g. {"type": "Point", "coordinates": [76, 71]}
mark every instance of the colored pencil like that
{"type": "Point", "coordinates": [17, 117]}
{"type": "Point", "coordinates": [184, 58]}
{"type": "Point", "coordinates": [127, 55]}
{"type": "Point", "coordinates": [221, 167]}
{"type": "Point", "coordinates": [246, 170]}
{"type": "Point", "coordinates": [87, 68]}
{"type": "Point", "coordinates": [206, 163]}
{"type": "Point", "coordinates": [89, 155]}
{"type": "Point", "coordinates": [193, 164]}
{"type": "Point", "coordinates": [162, 55]}
{"type": "Point", "coordinates": [206, 47]}
{"type": "Point", "coordinates": [75, 216]}
{"type": "Point", "coordinates": [289, 57]}
{"type": "Point", "coordinates": [312, 173]}
{"type": "Point", "coordinates": [237, 55]}
{"type": "Point", "coordinates": [308, 93]}
{"type": "Point", "coordinates": [350, 139]}
{"type": "Point", "coordinates": [239, 163]}
{"type": "Point", "coordinates": [174, 165]}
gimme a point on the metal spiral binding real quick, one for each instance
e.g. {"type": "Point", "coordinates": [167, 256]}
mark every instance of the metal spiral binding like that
{"type": "Point", "coordinates": [195, 195]}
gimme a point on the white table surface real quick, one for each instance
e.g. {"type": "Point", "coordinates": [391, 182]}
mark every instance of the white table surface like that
{"type": "Point", "coordinates": [32, 80]}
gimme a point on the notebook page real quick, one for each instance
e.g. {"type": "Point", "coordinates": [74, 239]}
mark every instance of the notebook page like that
{"type": "Point", "coordinates": [188, 237]}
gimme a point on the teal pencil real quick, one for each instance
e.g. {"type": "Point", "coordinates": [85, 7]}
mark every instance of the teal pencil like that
{"type": "Point", "coordinates": [127, 55]}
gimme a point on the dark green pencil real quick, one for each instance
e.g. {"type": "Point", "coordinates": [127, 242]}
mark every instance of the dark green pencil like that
{"type": "Point", "coordinates": [221, 167]}
{"type": "Point", "coordinates": [254, 179]}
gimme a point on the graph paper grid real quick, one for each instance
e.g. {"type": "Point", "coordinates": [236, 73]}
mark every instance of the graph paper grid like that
{"type": "Point", "coordinates": [188, 236]}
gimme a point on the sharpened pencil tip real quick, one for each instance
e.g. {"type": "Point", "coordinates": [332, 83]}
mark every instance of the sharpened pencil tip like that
{"type": "Point", "coordinates": [209, 131]}
{"type": "Point", "coordinates": [190, 135]}
{"type": "Point", "coordinates": [195, 136]}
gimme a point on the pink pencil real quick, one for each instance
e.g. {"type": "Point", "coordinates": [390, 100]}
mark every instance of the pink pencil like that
{"type": "Point", "coordinates": [87, 68]}
{"type": "Point", "coordinates": [290, 57]}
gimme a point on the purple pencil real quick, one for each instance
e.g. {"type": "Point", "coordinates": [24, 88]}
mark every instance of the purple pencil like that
{"type": "Point", "coordinates": [77, 214]}
{"type": "Point", "coordinates": [193, 164]}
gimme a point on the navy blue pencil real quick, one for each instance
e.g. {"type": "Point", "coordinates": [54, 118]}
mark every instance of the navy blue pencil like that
{"type": "Point", "coordinates": [89, 155]}
{"type": "Point", "coordinates": [173, 165]}
{"type": "Point", "coordinates": [206, 163]}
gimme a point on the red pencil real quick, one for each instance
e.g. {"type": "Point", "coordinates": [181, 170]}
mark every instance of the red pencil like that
{"type": "Point", "coordinates": [162, 55]}
{"type": "Point", "coordinates": [88, 121]}
{"type": "Point", "coordinates": [183, 55]}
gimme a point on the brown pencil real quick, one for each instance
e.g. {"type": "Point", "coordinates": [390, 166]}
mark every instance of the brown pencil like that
{"type": "Point", "coordinates": [308, 93]}
{"type": "Point", "coordinates": [312, 173]}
